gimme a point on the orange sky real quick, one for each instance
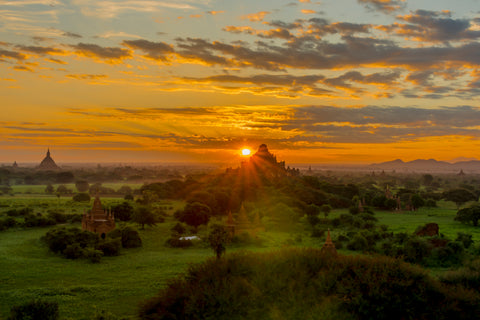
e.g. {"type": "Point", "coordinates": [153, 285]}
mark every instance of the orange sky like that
{"type": "Point", "coordinates": [198, 80]}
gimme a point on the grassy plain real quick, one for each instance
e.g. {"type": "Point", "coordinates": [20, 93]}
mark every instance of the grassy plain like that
{"type": "Point", "coordinates": [118, 284]}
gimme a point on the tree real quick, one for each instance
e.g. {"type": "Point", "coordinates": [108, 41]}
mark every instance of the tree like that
{"type": "Point", "coordinates": [123, 211]}
{"type": "Point", "coordinates": [417, 201]}
{"type": "Point", "coordinates": [459, 196]}
{"type": "Point", "coordinates": [65, 177]}
{"type": "Point", "coordinates": [82, 185]}
{"type": "Point", "coordinates": [325, 209]}
{"type": "Point", "coordinates": [49, 189]}
{"type": "Point", "coordinates": [62, 189]}
{"type": "Point", "coordinates": [143, 215]}
{"type": "Point", "coordinates": [312, 210]}
{"type": "Point", "coordinates": [218, 238]}
{"type": "Point", "coordinates": [427, 179]}
{"type": "Point", "coordinates": [81, 197]}
{"type": "Point", "coordinates": [467, 215]}
{"type": "Point", "coordinates": [195, 214]}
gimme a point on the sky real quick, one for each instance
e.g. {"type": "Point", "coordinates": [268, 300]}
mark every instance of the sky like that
{"type": "Point", "coordinates": [330, 81]}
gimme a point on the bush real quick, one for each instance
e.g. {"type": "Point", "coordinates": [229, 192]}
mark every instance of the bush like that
{"type": "Point", "coordinates": [464, 238]}
{"type": "Point", "coordinates": [37, 221]}
{"type": "Point", "coordinates": [179, 228]}
{"type": "Point", "coordinates": [73, 251]}
{"type": "Point", "coordinates": [123, 211]}
{"type": "Point", "coordinates": [8, 222]}
{"type": "Point", "coordinates": [93, 255]}
{"type": "Point", "coordinates": [318, 232]}
{"type": "Point", "coordinates": [131, 238]}
{"type": "Point", "coordinates": [358, 243]}
{"type": "Point", "coordinates": [299, 283]}
{"type": "Point", "coordinates": [110, 247]}
{"type": "Point", "coordinates": [81, 197]}
{"type": "Point", "coordinates": [57, 216]}
{"type": "Point", "coordinates": [59, 239]}
{"type": "Point", "coordinates": [175, 242]}
{"type": "Point", "coordinates": [35, 310]}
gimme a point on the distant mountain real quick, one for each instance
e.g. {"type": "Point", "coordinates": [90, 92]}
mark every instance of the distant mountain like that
{"type": "Point", "coordinates": [430, 165]}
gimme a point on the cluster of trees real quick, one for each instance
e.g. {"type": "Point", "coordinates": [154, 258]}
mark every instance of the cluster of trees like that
{"type": "Point", "coordinates": [73, 243]}
{"type": "Point", "coordinates": [31, 176]}
{"type": "Point", "coordinates": [26, 218]}
{"type": "Point", "coordinates": [347, 287]}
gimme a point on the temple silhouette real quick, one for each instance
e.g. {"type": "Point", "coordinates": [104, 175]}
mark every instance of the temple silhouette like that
{"type": "Point", "coordinates": [48, 163]}
{"type": "Point", "coordinates": [98, 220]}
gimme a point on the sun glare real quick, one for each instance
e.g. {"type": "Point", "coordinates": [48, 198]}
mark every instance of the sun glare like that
{"type": "Point", "coordinates": [246, 152]}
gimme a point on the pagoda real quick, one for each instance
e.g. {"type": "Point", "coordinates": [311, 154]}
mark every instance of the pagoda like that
{"type": "Point", "coordinates": [329, 247]}
{"type": "Point", "coordinates": [48, 163]}
{"type": "Point", "coordinates": [98, 220]}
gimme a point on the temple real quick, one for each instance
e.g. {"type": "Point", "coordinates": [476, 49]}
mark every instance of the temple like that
{"type": "Point", "coordinates": [48, 163]}
{"type": "Point", "coordinates": [98, 220]}
{"type": "Point", "coordinates": [328, 248]}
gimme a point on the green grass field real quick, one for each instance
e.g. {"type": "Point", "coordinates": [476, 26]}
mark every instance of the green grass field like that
{"type": "Point", "coordinates": [118, 284]}
{"type": "Point", "coordinates": [81, 288]}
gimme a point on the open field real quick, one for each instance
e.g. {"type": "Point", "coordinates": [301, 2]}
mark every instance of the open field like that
{"type": "Point", "coordinates": [81, 288]}
{"type": "Point", "coordinates": [118, 284]}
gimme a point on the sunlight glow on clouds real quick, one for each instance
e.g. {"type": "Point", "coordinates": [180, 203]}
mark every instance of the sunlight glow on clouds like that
{"type": "Point", "coordinates": [295, 75]}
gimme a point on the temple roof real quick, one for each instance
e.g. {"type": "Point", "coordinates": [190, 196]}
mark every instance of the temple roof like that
{"type": "Point", "coordinates": [48, 163]}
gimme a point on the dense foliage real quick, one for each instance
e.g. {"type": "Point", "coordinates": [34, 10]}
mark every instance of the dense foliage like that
{"type": "Point", "coordinates": [73, 243]}
{"type": "Point", "coordinates": [303, 284]}
{"type": "Point", "coordinates": [35, 310]}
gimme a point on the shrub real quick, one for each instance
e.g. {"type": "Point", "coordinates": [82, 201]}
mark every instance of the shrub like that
{"type": "Point", "coordinates": [35, 310]}
{"type": "Point", "coordinates": [81, 197]}
{"type": "Point", "coordinates": [73, 251]}
{"type": "Point", "coordinates": [179, 228]}
{"type": "Point", "coordinates": [416, 250]}
{"type": "Point", "coordinates": [175, 242]}
{"type": "Point", "coordinates": [59, 239]}
{"type": "Point", "coordinates": [464, 238]}
{"type": "Point", "coordinates": [57, 216]}
{"type": "Point", "coordinates": [37, 221]}
{"type": "Point", "coordinates": [297, 284]}
{"type": "Point", "coordinates": [8, 222]}
{"type": "Point", "coordinates": [123, 211]}
{"type": "Point", "coordinates": [93, 255]}
{"type": "Point", "coordinates": [110, 247]}
{"type": "Point", "coordinates": [358, 243]}
{"type": "Point", "coordinates": [75, 218]}
{"type": "Point", "coordinates": [131, 238]}
{"type": "Point", "coordinates": [318, 232]}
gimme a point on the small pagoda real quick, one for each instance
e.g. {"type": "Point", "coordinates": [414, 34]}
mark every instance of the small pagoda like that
{"type": "Point", "coordinates": [328, 248]}
{"type": "Point", "coordinates": [98, 220]}
{"type": "Point", "coordinates": [48, 163]}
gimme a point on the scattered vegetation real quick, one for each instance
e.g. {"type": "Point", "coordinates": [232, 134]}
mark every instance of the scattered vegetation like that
{"type": "Point", "coordinates": [301, 284]}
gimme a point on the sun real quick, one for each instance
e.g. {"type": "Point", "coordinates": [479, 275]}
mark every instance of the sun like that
{"type": "Point", "coordinates": [246, 152]}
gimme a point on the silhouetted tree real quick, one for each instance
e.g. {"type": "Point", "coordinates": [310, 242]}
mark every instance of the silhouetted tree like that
{"type": "Point", "coordinates": [459, 196]}
{"type": "Point", "coordinates": [82, 185]}
{"type": "Point", "coordinates": [218, 238]}
{"type": "Point", "coordinates": [194, 214]}
{"type": "Point", "coordinates": [65, 177]}
{"type": "Point", "coordinates": [325, 209]}
{"type": "Point", "coordinates": [467, 215]}
{"type": "Point", "coordinates": [143, 215]}
{"type": "Point", "coordinates": [123, 211]}
{"type": "Point", "coordinates": [49, 189]}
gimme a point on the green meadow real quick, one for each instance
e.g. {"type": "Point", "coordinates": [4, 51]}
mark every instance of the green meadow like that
{"type": "Point", "coordinates": [117, 285]}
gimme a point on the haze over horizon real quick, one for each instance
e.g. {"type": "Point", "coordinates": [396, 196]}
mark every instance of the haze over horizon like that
{"type": "Point", "coordinates": [358, 81]}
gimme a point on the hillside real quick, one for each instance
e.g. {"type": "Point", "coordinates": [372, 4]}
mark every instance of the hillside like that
{"type": "Point", "coordinates": [430, 165]}
{"type": "Point", "coordinates": [304, 284]}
